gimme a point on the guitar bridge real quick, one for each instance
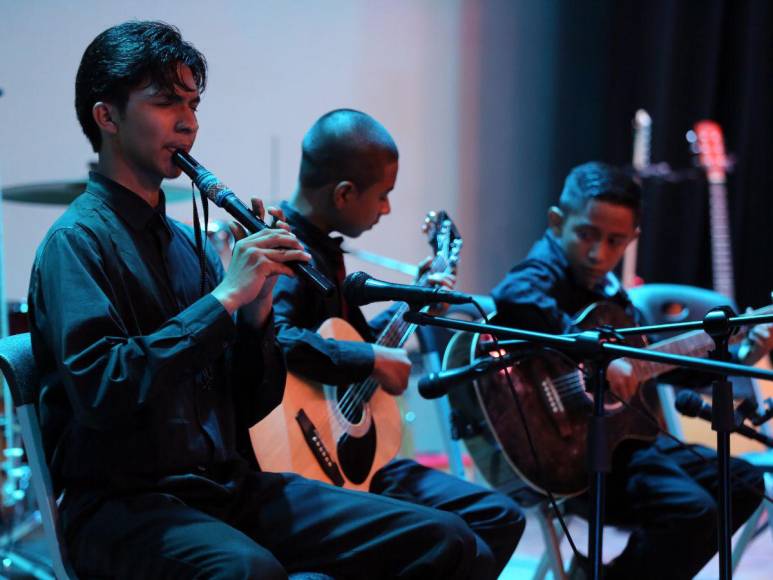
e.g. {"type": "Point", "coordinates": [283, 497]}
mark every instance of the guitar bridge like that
{"type": "Point", "coordinates": [555, 406]}
{"type": "Point", "coordinates": [321, 454]}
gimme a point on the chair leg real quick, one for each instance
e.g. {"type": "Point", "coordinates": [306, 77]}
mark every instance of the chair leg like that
{"type": "Point", "coordinates": [750, 527]}
{"type": "Point", "coordinates": [551, 559]}
{"type": "Point", "coordinates": [769, 505]}
{"type": "Point", "coordinates": [747, 534]}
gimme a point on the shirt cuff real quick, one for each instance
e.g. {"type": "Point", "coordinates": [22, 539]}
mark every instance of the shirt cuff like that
{"type": "Point", "coordinates": [358, 358]}
{"type": "Point", "coordinates": [209, 325]}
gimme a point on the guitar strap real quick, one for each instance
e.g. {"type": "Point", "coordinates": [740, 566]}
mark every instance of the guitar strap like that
{"type": "Point", "coordinates": [340, 275]}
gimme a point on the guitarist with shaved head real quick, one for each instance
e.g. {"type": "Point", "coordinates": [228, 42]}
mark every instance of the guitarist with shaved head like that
{"type": "Point", "coordinates": [664, 491]}
{"type": "Point", "coordinates": [348, 169]}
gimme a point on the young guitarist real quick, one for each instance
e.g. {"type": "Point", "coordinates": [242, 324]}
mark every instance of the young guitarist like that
{"type": "Point", "coordinates": [348, 168]}
{"type": "Point", "coordinates": [660, 489]}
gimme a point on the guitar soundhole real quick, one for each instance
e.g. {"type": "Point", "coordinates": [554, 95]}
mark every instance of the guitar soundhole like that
{"type": "Point", "coordinates": [355, 455]}
{"type": "Point", "coordinates": [349, 409]}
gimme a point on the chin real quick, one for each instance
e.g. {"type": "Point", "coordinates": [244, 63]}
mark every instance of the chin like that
{"type": "Point", "coordinates": [172, 172]}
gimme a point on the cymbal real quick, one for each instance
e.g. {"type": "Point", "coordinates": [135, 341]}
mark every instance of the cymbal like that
{"type": "Point", "coordinates": [63, 192]}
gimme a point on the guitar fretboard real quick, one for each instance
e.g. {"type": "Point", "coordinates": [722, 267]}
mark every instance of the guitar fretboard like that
{"type": "Point", "coordinates": [394, 335]}
{"type": "Point", "coordinates": [721, 255]}
{"type": "Point", "coordinates": [696, 343]}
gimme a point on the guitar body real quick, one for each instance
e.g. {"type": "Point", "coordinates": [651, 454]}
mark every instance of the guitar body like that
{"type": "Point", "coordinates": [556, 408]}
{"type": "Point", "coordinates": [354, 444]}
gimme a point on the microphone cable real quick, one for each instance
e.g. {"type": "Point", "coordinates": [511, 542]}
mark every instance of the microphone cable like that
{"type": "Point", "coordinates": [532, 448]}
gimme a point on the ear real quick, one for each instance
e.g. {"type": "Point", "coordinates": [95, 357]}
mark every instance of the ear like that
{"type": "Point", "coordinates": [104, 115]}
{"type": "Point", "coordinates": [555, 220]}
{"type": "Point", "coordinates": [342, 193]}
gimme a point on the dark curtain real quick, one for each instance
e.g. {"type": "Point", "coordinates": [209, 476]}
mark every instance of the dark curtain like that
{"type": "Point", "coordinates": [684, 62]}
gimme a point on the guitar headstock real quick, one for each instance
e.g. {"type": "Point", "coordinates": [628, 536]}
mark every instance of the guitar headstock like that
{"type": "Point", "coordinates": [708, 144]}
{"type": "Point", "coordinates": [642, 136]}
{"type": "Point", "coordinates": [444, 238]}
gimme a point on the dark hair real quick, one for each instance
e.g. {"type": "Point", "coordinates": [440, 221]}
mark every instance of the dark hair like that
{"type": "Point", "coordinates": [601, 182]}
{"type": "Point", "coordinates": [129, 55]}
{"type": "Point", "coordinates": [345, 145]}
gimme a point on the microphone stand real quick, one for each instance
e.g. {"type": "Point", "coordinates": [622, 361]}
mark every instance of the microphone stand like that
{"type": "Point", "coordinates": [595, 348]}
{"type": "Point", "coordinates": [723, 422]}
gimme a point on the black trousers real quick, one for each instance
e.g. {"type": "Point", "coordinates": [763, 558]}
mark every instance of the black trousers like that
{"type": "Point", "coordinates": [263, 525]}
{"type": "Point", "coordinates": [496, 519]}
{"type": "Point", "coordinates": [668, 496]}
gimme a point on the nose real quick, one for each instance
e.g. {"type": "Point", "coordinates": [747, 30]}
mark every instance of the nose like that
{"type": "Point", "coordinates": [386, 208]}
{"type": "Point", "coordinates": [187, 123]}
{"type": "Point", "coordinates": [599, 253]}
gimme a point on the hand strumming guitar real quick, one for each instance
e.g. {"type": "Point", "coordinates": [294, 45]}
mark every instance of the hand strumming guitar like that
{"type": "Point", "coordinates": [622, 379]}
{"type": "Point", "coordinates": [391, 369]}
{"type": "Point", "coordinates": [757, 343]}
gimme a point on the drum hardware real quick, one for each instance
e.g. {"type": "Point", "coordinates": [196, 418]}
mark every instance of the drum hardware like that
{"type": "Point", "coordinates": [64, 192]}
{"type": "Point", "coordinates": [19, 517]}
{"type": "Point", "coordinates": [222, 239]}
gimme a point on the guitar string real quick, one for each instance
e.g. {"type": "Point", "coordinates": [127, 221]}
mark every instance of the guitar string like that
{"type": "Point", "coordinates": [396, 332]}
{"type": "Point", "coordinates": [362, 391]}
{"type": "Point", "coordinates": [356, 393]}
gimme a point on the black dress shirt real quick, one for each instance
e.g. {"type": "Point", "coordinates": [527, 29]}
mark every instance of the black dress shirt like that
{"type": "Point", "coordinates": [541, 293]}
{"type": "Point", "coordinates": [299, 310]}
{"type": "Point", "coordinates": [144, 379]}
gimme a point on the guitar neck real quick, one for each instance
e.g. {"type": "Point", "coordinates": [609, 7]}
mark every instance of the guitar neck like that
{"type": "Point", "coordinates": [398, 331]}
{"type": "Point", "coordinates": [696, 343]}
{"type": "Point", "coordinates": [721, 254]}
{"type": "Point", "coordinates": [642, 125]}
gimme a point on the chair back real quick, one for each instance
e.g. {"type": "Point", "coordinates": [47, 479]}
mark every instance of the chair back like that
{"type": "Point", "coordinates": [667, 303]}
{"type": "Point", "coordinates": [21, 375]}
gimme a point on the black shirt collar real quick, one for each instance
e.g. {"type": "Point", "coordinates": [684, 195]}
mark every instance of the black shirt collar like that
{"type": "Point", "coordinates": [130, 206]}
{"type": "Point", "coordinates": [310, 234]}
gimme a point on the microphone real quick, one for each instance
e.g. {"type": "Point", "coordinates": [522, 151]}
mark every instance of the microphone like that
{"type": "Point", "coordinates": [691, 405]}
{"type": "Point", "coordinates": [360, 288]}
{"type": "Point", "coordinates": [748, 410]}
{"type": "Point", "coordinates": [435, 385]}
{"type": "Point", "coordinates": [223, 197]}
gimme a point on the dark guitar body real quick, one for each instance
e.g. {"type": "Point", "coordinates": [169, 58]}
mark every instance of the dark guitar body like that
{"type": "Point", "coordinates": [550, 388]}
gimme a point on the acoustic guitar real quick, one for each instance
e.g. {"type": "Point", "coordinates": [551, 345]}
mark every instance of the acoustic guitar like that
{"type": "Point", "coordinates": [642, 137]}
{"type": "Point", "coordinates": [709, 145]}
{"type": "Point", "coordinates": [343, 435]}
{"type": "Point", "coordinates": [551, 389]}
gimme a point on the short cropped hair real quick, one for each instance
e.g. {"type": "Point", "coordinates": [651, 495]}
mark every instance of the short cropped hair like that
{"type": "Point", "coordinates": [601, 182]}
{"type": "Point", "coordinates": [345, 145]}
{"type": "Point", "coordinates": [127, 56]}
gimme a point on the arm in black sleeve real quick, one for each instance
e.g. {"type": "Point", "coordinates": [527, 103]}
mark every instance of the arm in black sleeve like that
{"type": "Point", "coordinates": [258, 371]}
{"type": "Point", "coordinates": [298, 312]}
{"type": "Point", "coordinates": [525, 299]}
{"type": "Point", "coordinates": [107, 373]}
